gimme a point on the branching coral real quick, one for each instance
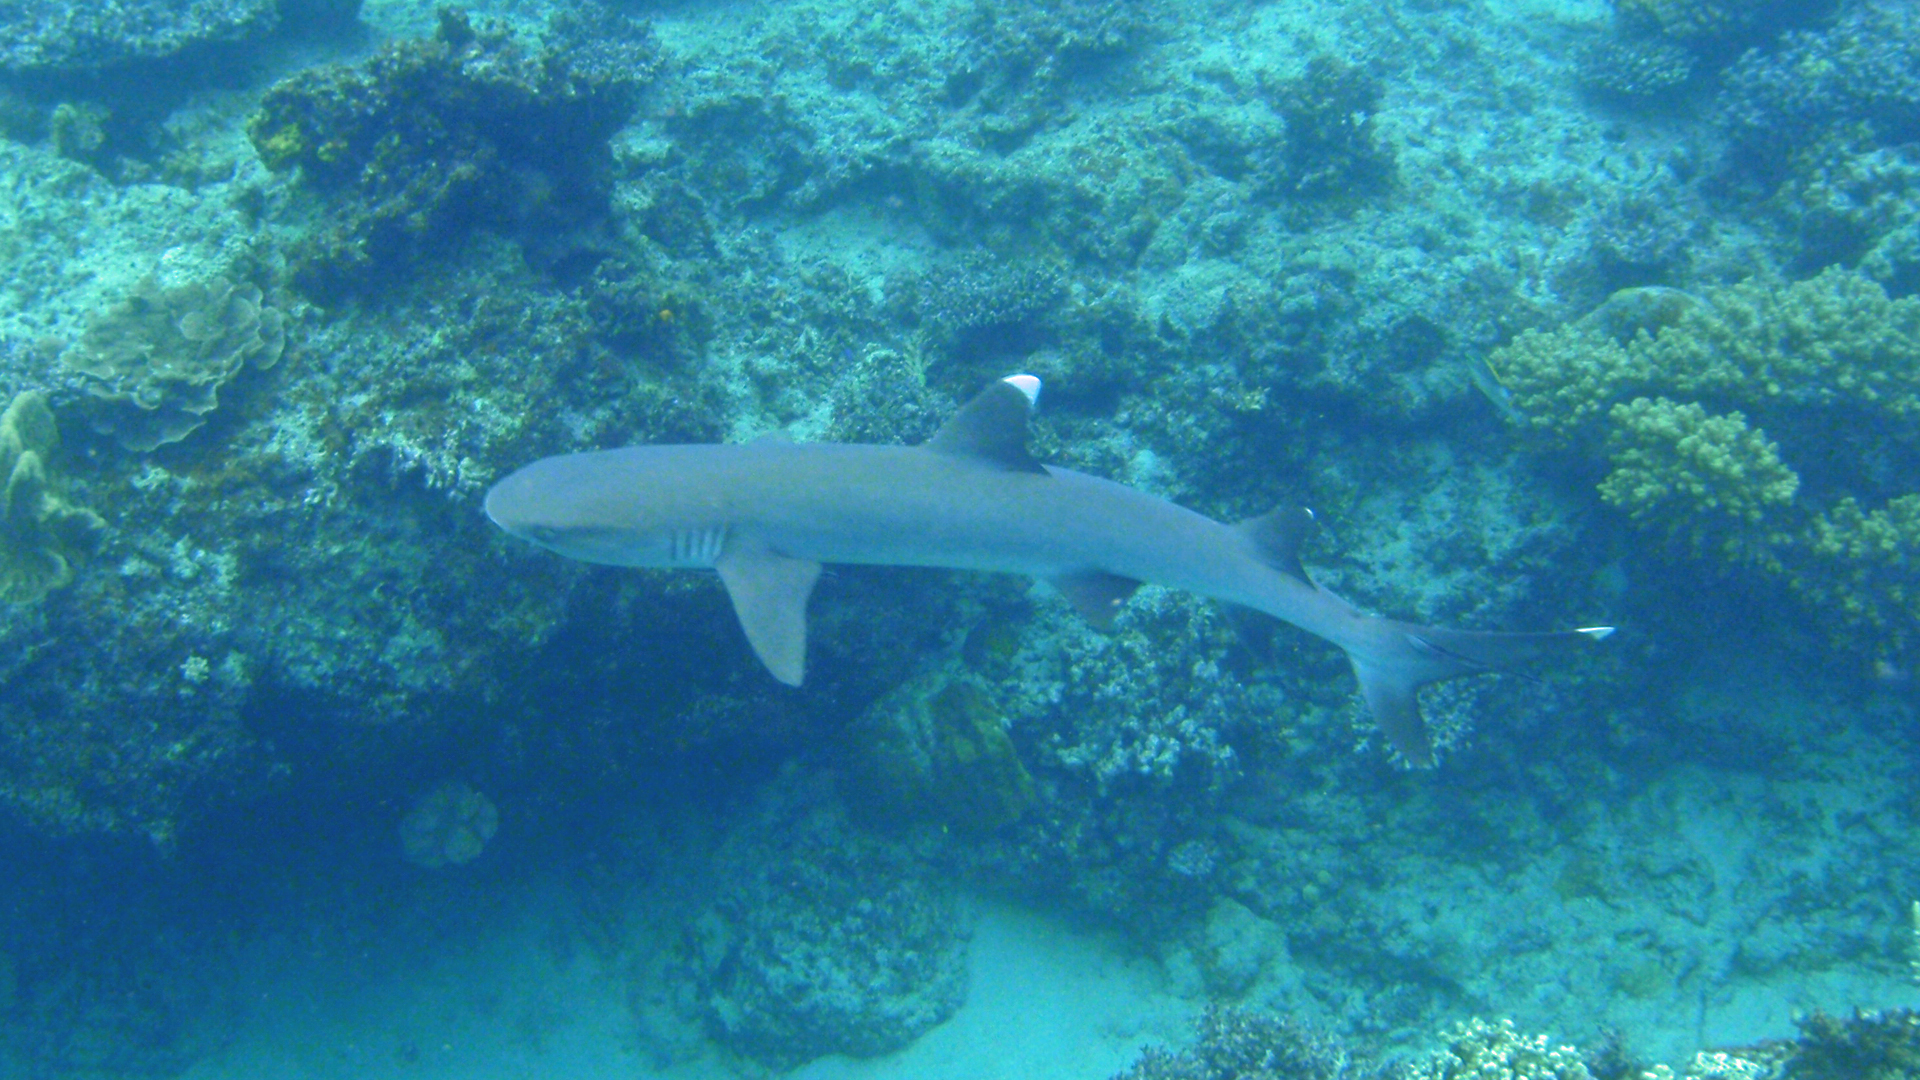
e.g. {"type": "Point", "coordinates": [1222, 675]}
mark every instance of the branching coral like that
{"type": "Point", "coordinates": [1478, 1048]}
{"type": "Point", "coordinates": [1674, 391]}
{"type": "Point", "coordinates": [38, 530]}
{"type": "Point", "coordinates": [1666, 454]}
{"type": "Point", "coordinates": [166, 351]}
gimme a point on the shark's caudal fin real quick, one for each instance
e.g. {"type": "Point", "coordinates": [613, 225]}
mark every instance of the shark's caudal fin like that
{"type": "Point", "coordinates": [1390, 679]}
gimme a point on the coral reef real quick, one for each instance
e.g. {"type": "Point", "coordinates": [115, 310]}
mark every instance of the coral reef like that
{"type": "Point", "coordinates": [1768, 422]}
{"type": "Point", "coordinates": [1636, 71]}
{"type": "Point", "coordinates": [1848, 202]}
{"type": "Point", "coordinates": [448, 826]}
{"type": "Point", "coordinates": [1716, 30]}
{"type": "Point", "coordinates": [40, 532]}
{"type": "Point", "coordinates": [982, 305]}
{"type": "Point", "coordinates": [825, 941]}
{"type": "Point", "coordinates": [47, 36]}
{"type": "Point", "coordinates": [1864, 1046]}
{"type": "Point", "coordinates": [1864, 72]}
{"type": "Point", "coordinates": [432, 138]}
{"type": "Point", "coordinates": [1479, 1048]}
{"type": "Point", "coordinates": [1332, 150]}
{"type": "Point", "coordinates": [163, 354]}
{"type": "Point", "coordinates": [1665, 454]}
{"type": "Point", "coordinates": [1242, 1044]}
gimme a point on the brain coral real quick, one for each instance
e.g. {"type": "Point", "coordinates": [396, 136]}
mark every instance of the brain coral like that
{"type": "Point", "coordinates": [38, 529]}
{"type": "Point", "coordinates": [1770, 423]}
{"type": "Point", "coordinates": [165, 352]}
{"type": "Point", "coordinates": [449, 825]}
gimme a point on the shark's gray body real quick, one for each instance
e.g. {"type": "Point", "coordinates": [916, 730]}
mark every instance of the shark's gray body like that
{"type": "Point", "coordinates": [767, 514]}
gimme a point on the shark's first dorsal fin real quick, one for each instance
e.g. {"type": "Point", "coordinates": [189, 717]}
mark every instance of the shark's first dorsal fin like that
{"type": "Point", "coordinates": [993, 426]}
{"type": "Point", "coordinates": [1277, 536]}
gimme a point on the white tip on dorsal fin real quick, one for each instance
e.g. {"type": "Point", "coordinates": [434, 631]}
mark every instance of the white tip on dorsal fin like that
{"type": "Point", "coordinates": [993, 426]}
{"type": "Point", "coordinates": [1026, 384]}
{"type": "Point", "coordinates": [1597, 633]}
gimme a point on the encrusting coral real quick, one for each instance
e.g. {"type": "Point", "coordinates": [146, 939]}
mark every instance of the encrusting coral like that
{"type": "Point", "coordinates": [1770, 423]}
{"type": "Point", "coordinates": [166, 351]}
{"type": "Point", "coordinates": [39, 531]}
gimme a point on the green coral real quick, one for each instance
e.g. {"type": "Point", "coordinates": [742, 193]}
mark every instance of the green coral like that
{"type": "Point", "coordinates": [1768, 422]}
{"type": "Point", "coordinates": [165, 352]}
{"type": "Point", "coordinates": [39, 531]}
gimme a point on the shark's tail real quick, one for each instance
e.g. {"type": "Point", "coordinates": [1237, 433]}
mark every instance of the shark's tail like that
{"type": "Point", "coordinates": [1390, 677]}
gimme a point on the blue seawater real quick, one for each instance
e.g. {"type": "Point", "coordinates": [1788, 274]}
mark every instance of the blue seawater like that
{"type": "Point", "coordinates": [1557, 313]}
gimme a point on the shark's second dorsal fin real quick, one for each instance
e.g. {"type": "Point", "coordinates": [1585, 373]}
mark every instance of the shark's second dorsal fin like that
{"type": "Point", "coordinates": [993, 426]}
{"type": "Point", "coordinates": [1277, 535]}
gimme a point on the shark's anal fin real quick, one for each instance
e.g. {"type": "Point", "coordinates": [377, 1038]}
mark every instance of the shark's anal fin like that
{"type": "Point", "coordinates": [769, 593]}
{"type": "Point", "coordinates": [993, 426]}
{"type": "Point", "coordinates": [1095, 595]}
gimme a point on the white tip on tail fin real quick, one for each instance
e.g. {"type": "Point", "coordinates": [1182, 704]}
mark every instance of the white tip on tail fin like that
{"type": "Point", "coordinates": [1026, 384]}
{"type": "Point", "coordinates": [1400, 662]}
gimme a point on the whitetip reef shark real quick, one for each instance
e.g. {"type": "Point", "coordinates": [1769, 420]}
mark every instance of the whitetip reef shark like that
{"type": "Point", "coordinates": [768, 513]}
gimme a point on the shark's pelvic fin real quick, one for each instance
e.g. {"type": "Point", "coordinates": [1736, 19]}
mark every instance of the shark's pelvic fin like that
{"type": "Point", "coordinates": [1097, 596]}
{"type": "Point", "coordinates": [769, 593]}
{"type": "Point", "coordinates": [993, 426]}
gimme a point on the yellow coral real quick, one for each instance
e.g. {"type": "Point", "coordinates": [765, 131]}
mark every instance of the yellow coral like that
{"type": "Point", "coordinates": [1663, 385]}
{"type": "Point", "coordinates": [39, 531]}
{"type": "Point", "coordinates": [1664, 452]}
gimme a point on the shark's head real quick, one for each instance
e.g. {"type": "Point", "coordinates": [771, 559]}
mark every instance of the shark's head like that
{"type": "Point", "coordinates": [604, 507]}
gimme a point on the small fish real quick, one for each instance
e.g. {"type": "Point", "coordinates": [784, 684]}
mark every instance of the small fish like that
{"type": "Point", "coordinates": [1487, 381]}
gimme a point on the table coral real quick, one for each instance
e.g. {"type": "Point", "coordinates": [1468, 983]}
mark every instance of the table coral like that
{"type": "Point", "coordinates": [166, 350]}
{"type": "Point", "coordinates": [39, 531]}
{"type": "Point", "coordinates": [449, 825]}
{"type": "Point", "coordinates": [1768, 422]}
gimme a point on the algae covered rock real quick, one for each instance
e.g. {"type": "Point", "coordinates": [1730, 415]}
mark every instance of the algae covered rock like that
{"type": "Point", "coordinates": [823, 940]}
{"type": "Point", "coordinates": [937, 749]}
{"type": "Point", "coordinates": [165, 351]}
{"type": "Point", "coordinates": [471, 127]}
{"type": "Point", "coordinates": [39, 531]}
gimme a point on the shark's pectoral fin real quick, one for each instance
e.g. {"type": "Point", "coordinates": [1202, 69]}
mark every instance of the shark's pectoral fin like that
{"type": "Point", "coordinates": [769, 592]}
{"type": "Point", "coordinates": [1096, 596]}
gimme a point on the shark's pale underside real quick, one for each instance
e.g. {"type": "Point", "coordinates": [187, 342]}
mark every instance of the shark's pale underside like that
{"type": "Point", "coordinates": [767, 514]}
